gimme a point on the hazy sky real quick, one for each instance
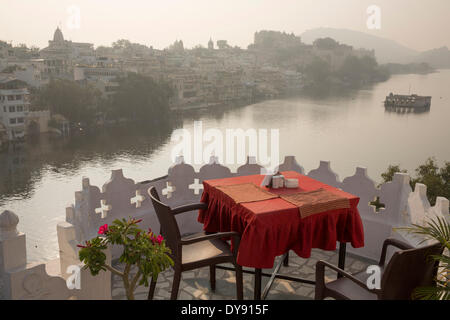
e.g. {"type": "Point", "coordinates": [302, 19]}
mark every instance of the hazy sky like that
{"type": "Point", "coordinates": [418, 24]}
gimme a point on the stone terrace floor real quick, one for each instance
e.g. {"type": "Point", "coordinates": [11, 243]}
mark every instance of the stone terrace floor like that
{"type": "Point", "coordinates": [195, 284]}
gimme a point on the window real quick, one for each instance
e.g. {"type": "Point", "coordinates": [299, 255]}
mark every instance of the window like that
{"type": "Point", "coordinates": [12, 109]}
{"type": "Point", "coordinates": [19, 108]}
{"type": "Point", "coordinates": [19, 120]}
{"type": "Point", "coordinates": [18, 97]}
{"type": "Point", "coordinates": [12, 120]}
{"type": "Point", "coordinates": [10, 98]}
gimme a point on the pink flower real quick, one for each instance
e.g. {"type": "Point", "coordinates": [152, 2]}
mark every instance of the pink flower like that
{"type": "Point", "coordinates": [103, 229]}
{"type": "Point", "coordinates": [159, 239]}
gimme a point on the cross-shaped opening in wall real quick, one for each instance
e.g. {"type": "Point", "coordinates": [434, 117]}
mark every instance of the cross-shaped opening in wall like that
{"type": "Point", "coordinates": [377, 204]}
{"type": "Point", "coordinates": [168, 190]}
{"type": "Point", "coordinates": [104, 208]}
{"type": "Point", "coordinates": [138, 199]}
{"type": "Point", "coordinates": [196, 186]}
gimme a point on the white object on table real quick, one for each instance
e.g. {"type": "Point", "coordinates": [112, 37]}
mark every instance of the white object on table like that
{"type": "Point", "coordinates": [266, 181]}
{"type": "Point", "coordinates": [291, 183]}
{"type": "Point", "coordinates": [278, 181]}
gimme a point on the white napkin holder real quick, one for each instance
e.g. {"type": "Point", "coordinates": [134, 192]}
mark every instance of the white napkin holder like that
{"type": "Point", "coordinates": [291, 183]}
{"type": "Point", "coordinates": [277, 181]}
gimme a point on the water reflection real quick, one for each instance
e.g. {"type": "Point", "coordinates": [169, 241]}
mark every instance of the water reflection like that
{"type": "Point", "coordinates": [406, 110]}
{"type": "Point", "coordinates": [23, 164]}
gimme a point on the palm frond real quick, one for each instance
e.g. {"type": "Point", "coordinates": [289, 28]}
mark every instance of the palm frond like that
{"type": "Point", "coordinates": [432, 293]}
{"type": "Point", "coordinates": [442, 258]}
{"type": "Point", "coordinates": [437, 229]}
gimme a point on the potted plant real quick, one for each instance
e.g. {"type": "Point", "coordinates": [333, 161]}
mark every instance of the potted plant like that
{"type": "Point", "coordinates": [144, 250]}
{"type": "Point", "coordinates": [437, 229]}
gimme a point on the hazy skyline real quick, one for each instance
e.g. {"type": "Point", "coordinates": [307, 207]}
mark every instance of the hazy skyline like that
{"type": "Point", "coordinates": [416, 24]}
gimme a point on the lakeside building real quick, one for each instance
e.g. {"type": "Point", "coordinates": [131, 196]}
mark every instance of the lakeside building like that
{"type": "Point", "coordinates": [151, 65]}
{"type": "Point", "coordinates": [30, 71]}
{"type": "Point", "coordinates": [6, 52]}
{"type": "Point", "coordinates": [218, 74]}
{"type": "Point", "coordinates": [3, 135]}
{"type": "Point", "coordinates": [103, 75]}
{"type": "Point", "coordinates": [61, 55]}
{"type": "Point", "coordinates": [14, 106]}
{"type": "Point", "coordinates": [188, 87]}
{"type": "Point", "coordinates": [210, 44]}
{"type": "Point", "coordinates": [336, 53]}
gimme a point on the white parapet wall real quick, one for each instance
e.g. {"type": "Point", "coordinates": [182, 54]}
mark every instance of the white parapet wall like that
{"type": "Point", "coordinates": [121, 197]}
{"type": "Point", "coordinates": [20, 280]}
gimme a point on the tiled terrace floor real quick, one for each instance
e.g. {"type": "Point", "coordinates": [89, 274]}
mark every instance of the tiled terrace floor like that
{"type": "Point", "coordinates": [195, 284]}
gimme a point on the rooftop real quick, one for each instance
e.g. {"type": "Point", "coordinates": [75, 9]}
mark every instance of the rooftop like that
{"type": "Point", "coordinates": [195, 284]}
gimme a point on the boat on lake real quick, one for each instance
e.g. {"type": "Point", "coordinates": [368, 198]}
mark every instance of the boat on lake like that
{"type": "Point", "coordinates": [407, 103]}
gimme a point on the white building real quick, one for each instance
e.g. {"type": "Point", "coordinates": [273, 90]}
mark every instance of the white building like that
{"type": "Point", "coordinates": [14, 105]}
{"type": "Point", "coordinates": [31, 71]}
{"type": "Point", "coordinates": [61, 55]}
{"type": "Point", "coordinates": [102, 76]}
{"type": "Point", "coordinates": [6, 52]}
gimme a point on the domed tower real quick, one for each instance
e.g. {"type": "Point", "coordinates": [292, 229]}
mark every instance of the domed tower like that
{"type": "Point", "coordinates": [210, 44]}
{"type": "Point", "coordinates": [58, 36]}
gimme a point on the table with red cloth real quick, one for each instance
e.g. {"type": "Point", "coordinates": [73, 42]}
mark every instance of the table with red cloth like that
{"type": "Point", "coordinates": [270, 228]}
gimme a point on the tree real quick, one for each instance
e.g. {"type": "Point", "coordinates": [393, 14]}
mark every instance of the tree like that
{"type": "Point", "coordinates": [326, 43]}
{"type": "Point", "coordinates": [436, 179]}
{"type": "Point", "coordinates": [318, 70]}
{"type": "Point", "coordinates": [77, 103]}
{"type": "Point", "coordinates": [121, 44]}
{"type": "Point", "coordinates": [129, 48]}
{"type": "Point", "coordinates": [357, 70]}
{"type": "Point", "coordinates": [352, 70]}
{"type": "Point", "coordinates": [388, 175]}
{"type": "Point", "coordinates": [140, 98]}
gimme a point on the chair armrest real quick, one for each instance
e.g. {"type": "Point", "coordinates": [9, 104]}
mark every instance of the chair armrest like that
{"type": "Point", "coordinates": [211, 237]}
{"type": "Point", "coordinates": [320, 275]}
{"type": "Point", "coordinates": [189, 207]}
{"type": "Point", "coordinates": [392, 242]}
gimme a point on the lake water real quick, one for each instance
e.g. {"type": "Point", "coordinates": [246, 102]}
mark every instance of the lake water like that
{"type": "Point", "coordinates": [353, 129]}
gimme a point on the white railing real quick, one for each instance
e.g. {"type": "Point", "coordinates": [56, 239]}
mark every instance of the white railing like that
{"type": "Point", "coordinates": [22, 281]}
{"type": "Point", "coordinates": [121, 197]}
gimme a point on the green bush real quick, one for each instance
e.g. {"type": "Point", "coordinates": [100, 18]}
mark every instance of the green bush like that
{"type": "Point", "coordinates": [430, 174]}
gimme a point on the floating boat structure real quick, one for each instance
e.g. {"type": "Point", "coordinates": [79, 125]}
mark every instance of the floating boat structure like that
{"type": "Point", "coordinates": [407, 103]}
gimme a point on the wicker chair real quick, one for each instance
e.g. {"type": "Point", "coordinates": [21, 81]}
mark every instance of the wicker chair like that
{"type": "Point", "coordinates": [408, 269]}
{"type": "Point", "coordinates": [195, 251]}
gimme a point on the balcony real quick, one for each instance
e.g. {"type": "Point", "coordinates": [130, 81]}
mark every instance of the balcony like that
{"type": "Point", "coordinates": [121, 197]}
{"type": "Point", "coordinates": [195, 284]}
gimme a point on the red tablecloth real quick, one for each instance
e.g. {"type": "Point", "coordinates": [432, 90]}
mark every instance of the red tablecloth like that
{"type": "Point", "coordinates": [271, 227]}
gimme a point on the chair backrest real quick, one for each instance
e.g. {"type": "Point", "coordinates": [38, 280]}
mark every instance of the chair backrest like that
{"type": "Point", "coordinates": [407, 270]}
{"type": "Point", "coordinates": [169, 225]}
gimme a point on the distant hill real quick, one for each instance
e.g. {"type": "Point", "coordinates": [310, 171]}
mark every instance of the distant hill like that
{"type": "Point", "coordinates": [386, 51]}
{"type": "Point", "coordinates": [437, 58]}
